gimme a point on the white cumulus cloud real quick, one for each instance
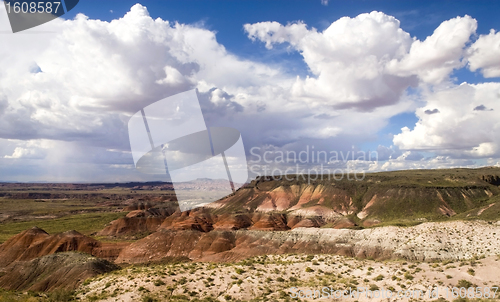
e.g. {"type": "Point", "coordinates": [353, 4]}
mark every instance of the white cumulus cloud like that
{"type": "Point", "coordinates": [457, 128]}
{"type": "Point", "coordinates": [68, 88]}
{"type": "Point", "coordinates": [348, 59]}
{"type": "Point", "coordinates": [484, 54]}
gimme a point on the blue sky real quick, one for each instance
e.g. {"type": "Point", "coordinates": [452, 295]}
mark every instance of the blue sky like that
{"type": "Point", "coordinates": [416, 81]}
{"type": "Point", "coordinates": [226, 18]}
{"type": "Point", "coordinates": [419, 18]}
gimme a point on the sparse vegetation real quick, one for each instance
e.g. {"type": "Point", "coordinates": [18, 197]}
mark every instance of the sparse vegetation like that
{"type": "Point", "coordinates": [267, 278]}
{"type": "Point", "coordinates": [159, 282]}
{"type": "Point", "coordinates": [464, 283]}
{"type": "Point", "coordinates": [408, 276]}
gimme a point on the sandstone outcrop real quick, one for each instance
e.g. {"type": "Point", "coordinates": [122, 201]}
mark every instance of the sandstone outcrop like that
{"type": "Point", "coordinates": [14, 248]}
{"type": "Point", "coordinates": [424, 242]}
{"type": "Point", "coordinates": [36, 242]}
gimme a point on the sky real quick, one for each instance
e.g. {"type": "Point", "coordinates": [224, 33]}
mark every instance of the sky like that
{"type": "Point", "coordinates": [416, 82]}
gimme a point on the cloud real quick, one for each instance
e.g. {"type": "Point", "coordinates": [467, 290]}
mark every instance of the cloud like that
{"type": "Point", "coordinates": [324, 116]}
{"type": "Point", "coordinates": [483, 55]}
{"type": "Point", "coordinates": [368, 61]}
{"type": "Point", "coordinates": [433, 111]}
{"type": "Point", "coordinates": [216, 103]}
{"type": "Point", "coordinates": [387, 153]}
{"type": "Point", "coordinates": [461, 129]}
{"type": "Point", "coordinates": [66, 95]}
{"type": "Point", "coordinates": [481, 108]}
{"type": "Point", "coordinates": [26, 153]}
{"type": "Point", "coordinates": [324, 2]}
{"type": "Point", "coordinates": [408, 161]}
{"type": "Point", "coordinates": [62, 161]}
{"type": "Point", "coordinates": [96, 73]}
{"type": "Point", "coordinates": [348, 59]}
{"type": "Point", "coordinates": [439, 54]}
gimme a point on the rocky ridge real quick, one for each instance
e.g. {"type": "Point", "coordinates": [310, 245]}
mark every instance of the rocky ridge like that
{"type": "Point", "coordinates": [425, 242]}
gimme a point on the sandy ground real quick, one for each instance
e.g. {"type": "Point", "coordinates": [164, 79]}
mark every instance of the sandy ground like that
{"type": "Point", "coordinates": [282, 277]}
